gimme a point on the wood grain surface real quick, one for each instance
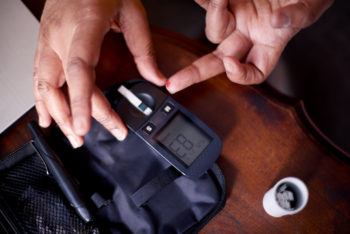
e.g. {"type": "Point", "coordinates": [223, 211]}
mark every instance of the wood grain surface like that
{"type": "Point", "coordinates": [264, 141]}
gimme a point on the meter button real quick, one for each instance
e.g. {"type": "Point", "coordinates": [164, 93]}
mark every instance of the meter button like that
{"type": "Point", "coordinates": [149, 128]}
{"type": "Point", "coordinates": [168, 108]}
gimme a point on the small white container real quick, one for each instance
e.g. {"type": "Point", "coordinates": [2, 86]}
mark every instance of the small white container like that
{"type": "Point", "coordinates": [271, 205]}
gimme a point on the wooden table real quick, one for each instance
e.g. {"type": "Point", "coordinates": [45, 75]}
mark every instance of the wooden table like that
{"type": "Point", "coordinates": [264, 141]}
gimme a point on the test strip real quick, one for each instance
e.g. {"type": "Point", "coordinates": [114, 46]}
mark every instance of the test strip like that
{"type": "Point", "coordinates": [134, 100]}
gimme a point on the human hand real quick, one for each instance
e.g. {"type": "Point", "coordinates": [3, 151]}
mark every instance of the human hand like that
{"type": "Point", "coordinates": [70, 37]}
{"type": "Point", "coordinates": [251, 36]}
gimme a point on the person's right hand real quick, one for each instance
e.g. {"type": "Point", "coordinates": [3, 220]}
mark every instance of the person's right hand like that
{"type": "Point", "coordinates": [70, 37]}
{"type": "Point", "coordinates": [251, 35]}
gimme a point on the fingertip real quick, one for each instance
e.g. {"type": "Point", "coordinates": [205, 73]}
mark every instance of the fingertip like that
{"type": "Point", "coordinates": [120, 134]}
{"type": "Point", "coordinates": [182, 79]}
{"type": "Point", "coordinates": [231, 65]}
{"type": "Point", "coordinates": [44, 122]}
{"type": "Point", "coordinates": [76, 141]}
{"type": "Point", "coordinates": [234, 70]}
{"type": "Point", "coordinates": [170, 86]}
{"type": "Point", "coordinates": [160, 79]}
{"type": "Point", "coordinates": [160, 83]}
{"type": "Point", "coordinates": [106, 116]}
{"type": "Point", "coordinates": [167, 84]}
{"type": "Point", "coordinates": [81, 114]}
{"type": "Point", "coordinates": [81, 125]}
{"type": "Point", "coordinates": [280, 19]}
{"type": "Point", "coordinates": [44, 117]}
{"type": "Point", "coordinates": [200, 70]}
{"type": "Point", "coordinates": [150, 71]}
{"type": "Point", "coordinates": [244, 74]}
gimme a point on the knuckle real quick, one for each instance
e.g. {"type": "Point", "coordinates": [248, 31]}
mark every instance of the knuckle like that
{"type": "Point", "coordinates": [212, 37]}
{"type": "Point", "coordinates": [75, 64]}
{"type": "Point", "coordinates": [241, 79]}
{"type": "Point", "coordinates": [35, 73]}
{"type": "Point", "coordinates": [246, 78]}
{"type": "Point", "coordinates": [195, 71]}
{"type": "Point", "coordinates": [216, 4]}
{"type": "Point", "coordinates": [258, 76]}
{"type": "Point", "coordinates": [238, 77]}
{"type": "Point", "coordinates": [44, 35]}
{"type": "Point", "coordinates": [234, 78]}
{"type": "Point", "coordinates": [79, 102]}
{"type": "Point", "coordinates": [43, 87]}
{"type": "Point", "coordinates": [106, 119]}
{"type": "Point", "coordinates": [120, 21]}
{"type": "Point", "coordinates": [147, 53]}
{"type": "Point", "coordinates": [51, 20]}
{"type": "Point", "coordinates": [39, 102]}
{"type": "Point", "coordinates": [243, 40]}
{"type": "Point", "coordinates": [90, 13]}
{"type": "Point", "coordinates": [62, 121]}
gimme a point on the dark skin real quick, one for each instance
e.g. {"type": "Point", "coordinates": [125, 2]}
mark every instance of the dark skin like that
{"type": "Point", "coordinates": [251, 36]}
{"type": "Point", "coordinates": [70, 38]}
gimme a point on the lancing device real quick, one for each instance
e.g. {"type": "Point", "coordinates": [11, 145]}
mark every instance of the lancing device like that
{"type": "Point", "coordinates": [134, 100]}
{"type": "Point", "coordinates": [55, 167]}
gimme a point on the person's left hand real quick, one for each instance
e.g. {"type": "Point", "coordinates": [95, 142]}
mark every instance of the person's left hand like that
{"type": "Point", "coordinates": [251, 37]}
{"type": "Point", "coordinates": [70, 38]}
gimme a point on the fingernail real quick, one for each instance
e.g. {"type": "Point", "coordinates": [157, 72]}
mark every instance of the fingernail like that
{"type": "Point", "coordinates": [43, 123]}
{"type": "Point", "coordinates": [229, 67]}
{"type": "Point", "coordinates": [169, 88]}
{"type": "Point", "coordinates": [162, 79]}
{"type": "Point", "coordinates": [74, 141]}
{"type": "Point", "coordinates": [118, 134]}
{"type": "Point", "coordinates": [80, 126]}
{"type": "Point", "coordinates": [167, 84]}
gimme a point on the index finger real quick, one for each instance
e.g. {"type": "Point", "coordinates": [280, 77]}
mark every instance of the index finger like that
{"type": "Point", "coordinates": [202, 69]}
{"type": "Point", "coordinates": [236, 45]}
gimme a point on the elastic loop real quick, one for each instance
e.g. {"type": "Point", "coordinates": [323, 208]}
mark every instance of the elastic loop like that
{"type": "Point", "coordinates": [147, 191]}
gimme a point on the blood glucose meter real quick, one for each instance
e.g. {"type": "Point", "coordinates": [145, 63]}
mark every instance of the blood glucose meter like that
{"type": "Point", "coordinates": [177, 135]}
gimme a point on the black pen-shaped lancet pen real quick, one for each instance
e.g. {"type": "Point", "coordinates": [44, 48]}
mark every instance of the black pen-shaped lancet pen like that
{"type": "Point", "coordinates": [55, 167]}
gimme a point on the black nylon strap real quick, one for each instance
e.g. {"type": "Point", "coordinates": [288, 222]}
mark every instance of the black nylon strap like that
{"type": "Point", "coordinates": [17, 156]}
{"type": "Point", "coordinates": [147, 191]}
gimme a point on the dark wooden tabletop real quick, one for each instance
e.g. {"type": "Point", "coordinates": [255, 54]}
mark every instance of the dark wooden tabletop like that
{"type": "Point", "coordinates": [264, 141]}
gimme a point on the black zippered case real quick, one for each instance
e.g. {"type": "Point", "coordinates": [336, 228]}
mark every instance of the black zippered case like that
{"type": "Point", "coordinates": [127, 191]}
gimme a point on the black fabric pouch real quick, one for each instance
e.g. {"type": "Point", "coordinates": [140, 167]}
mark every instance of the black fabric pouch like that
{"type": "Point", "coordinates": [31, 201]}
{"type": "Point", "coordinates": [127, 186]}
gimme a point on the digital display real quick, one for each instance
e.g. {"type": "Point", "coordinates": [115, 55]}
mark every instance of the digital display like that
{"type": "Point", "coordinates": [182, 138]}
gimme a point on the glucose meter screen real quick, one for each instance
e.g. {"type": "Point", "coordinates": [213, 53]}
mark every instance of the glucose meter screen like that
{"type": "Point", "coordinates": [183, 139]}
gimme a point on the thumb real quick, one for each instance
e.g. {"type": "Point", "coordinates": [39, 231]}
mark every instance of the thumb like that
{"type": "Point", "coordinates": [299, 15]}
